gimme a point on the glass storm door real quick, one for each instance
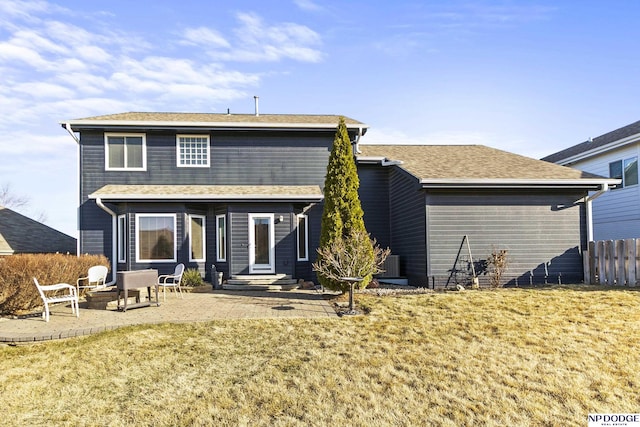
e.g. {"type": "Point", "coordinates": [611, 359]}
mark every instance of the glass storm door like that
{"type": "Point", "coordinates": [261, 244]}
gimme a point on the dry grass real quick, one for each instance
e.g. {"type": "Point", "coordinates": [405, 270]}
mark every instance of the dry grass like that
{"type": "Point", "coordinates": [506, 357]}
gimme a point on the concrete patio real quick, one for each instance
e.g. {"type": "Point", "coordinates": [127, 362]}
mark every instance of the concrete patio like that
{"type": "Point", "coordinates": [194, 307]}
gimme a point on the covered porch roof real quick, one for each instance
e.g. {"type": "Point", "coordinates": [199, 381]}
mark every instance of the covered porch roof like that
{"type": "Point", "coordinates": [210, 193]}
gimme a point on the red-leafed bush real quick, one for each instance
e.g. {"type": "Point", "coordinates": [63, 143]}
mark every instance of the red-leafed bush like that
{"type": "Point", "coordinates": [18, 293]}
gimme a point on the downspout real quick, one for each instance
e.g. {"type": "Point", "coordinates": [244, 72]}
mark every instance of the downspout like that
{"type": "Point", "coordinates": [589, 209]}
{"type": "Point", "coordinates": [114, 242]}
{"type": "Point", "coordinates": [67, 127]}
{"type": "Point", "coordinates": [356, 149]}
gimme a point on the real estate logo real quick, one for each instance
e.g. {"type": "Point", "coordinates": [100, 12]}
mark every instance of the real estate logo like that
{"type": "Point", "coordinates": [614, 420]}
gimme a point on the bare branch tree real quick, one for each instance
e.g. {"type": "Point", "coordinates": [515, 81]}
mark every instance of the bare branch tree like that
{"type": "Point", "coordinates": [345, 257]}
{"type": "Point", "coordinates": [10, 200]}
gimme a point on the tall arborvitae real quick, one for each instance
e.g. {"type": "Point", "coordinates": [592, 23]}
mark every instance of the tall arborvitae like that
{"type": "Point", "coordinates": [342, 212]}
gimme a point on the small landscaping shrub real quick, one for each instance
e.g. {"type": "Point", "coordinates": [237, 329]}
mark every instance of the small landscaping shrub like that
{"type": "Point", "coordinates": [192, 277]}
{"type": "Point", "coordinates": [18, 293]}
{"type": "Point", "coordinates": [497, 263]}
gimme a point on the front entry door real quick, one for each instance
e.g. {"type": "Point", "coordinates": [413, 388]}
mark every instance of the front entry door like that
{"type": "Point", "coordinates": [261, 244]}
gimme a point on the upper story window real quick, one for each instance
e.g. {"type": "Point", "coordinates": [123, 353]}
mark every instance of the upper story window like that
{"type": "Point", "coordinates": [192, 150]}
{"type": "Point", "coordinates": [125, 151]}
{"type": "Point", "coordinates": [626, 170]}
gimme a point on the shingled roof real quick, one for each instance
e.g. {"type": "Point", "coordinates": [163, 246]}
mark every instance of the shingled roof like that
{"type": "Point", "coordinates": [209, 192]}
{"type": "Point", "coordinates": [19, 234]}
{"type": "Point", "coordinates": [595, 143]}
{"type": "Point", "coordinates": [469, 164]}
{"type": "Point", "coordinates": [215, 120]}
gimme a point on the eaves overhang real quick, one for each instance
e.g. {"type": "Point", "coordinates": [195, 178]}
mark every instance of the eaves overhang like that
{"type": "Point", "coordinates": [77, 125]}
{"type": "Point", "coordinates": [208, 193]}
{"type": "Point", "coordinates": [585, 184]}
{"type": "Point", "coordinates": [599, 150]}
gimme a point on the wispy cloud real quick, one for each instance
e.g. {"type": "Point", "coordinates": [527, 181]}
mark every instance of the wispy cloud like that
{"type": "Point", "coordinates": [308, 5]}
{"type": "Point", "coordinates": [256, 41]}
{"type": "Point", "coordinates": [46, 62]}
{"type": "Point", "coordinates": [428, 27]}
{"type": "Point", "coordinates": [204, 36]}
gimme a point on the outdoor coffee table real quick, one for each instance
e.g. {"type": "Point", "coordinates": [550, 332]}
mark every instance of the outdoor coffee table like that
{"type": "Point", "coordinates": [126, 280]}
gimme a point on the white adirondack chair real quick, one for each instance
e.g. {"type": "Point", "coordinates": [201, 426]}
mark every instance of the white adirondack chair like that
{"type": "Point", "coordinates": [71, 296]}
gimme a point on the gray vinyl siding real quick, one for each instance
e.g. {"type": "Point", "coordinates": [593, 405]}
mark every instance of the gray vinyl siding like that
{"type": "Point", "coordinates": [236, 158]}
{"type": "Point", "coordinates": [374, 198]}
{"type": "Point", "coordinates": [536, 229]}
{"type": "Point", "coordinates": [303, 269]}
{"type": "Point", "coordinates": [407, 225]}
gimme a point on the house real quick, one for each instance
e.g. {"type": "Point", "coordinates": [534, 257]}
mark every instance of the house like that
{"type": "Point", "coordinates": [243, 193]}
{"type": "Point", "coordinates": [616, 214]}
{"type": "Point", "coordinates": [20, 234]}
{"type": "Point", "coordinates": [238, 191]}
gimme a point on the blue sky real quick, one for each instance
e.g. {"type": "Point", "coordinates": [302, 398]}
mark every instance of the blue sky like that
{"type": "Point", "coordinates": [530, 77]}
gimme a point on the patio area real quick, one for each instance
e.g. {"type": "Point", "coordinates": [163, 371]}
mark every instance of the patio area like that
{"type": "Point", "coordinates": [194, 307]}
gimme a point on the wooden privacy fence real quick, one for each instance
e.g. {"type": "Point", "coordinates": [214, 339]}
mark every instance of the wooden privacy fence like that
{"type": "Point", "coordinates": [613, 262]}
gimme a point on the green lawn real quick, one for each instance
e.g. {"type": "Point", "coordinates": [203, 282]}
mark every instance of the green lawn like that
{"type": "Point", "coordinates": [506, 357]}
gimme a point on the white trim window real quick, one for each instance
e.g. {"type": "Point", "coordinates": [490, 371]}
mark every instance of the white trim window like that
{"type": "Point", "coordinates": [192, 151]}
{"type": "Point", "coordinates": [122, 238]}
{"type": "Point", "coordinates": [197, 238]}
{"type": "Point", "coordinates": [303, 237]}
{"type": "Point", "coordinates": [125, 151]}
{"type": "Point", "coordinates": [626, 170]}
{"type": "Point", "coordinates": [156, 239]}
{"type": "Point", "coordinates": [221, 238]}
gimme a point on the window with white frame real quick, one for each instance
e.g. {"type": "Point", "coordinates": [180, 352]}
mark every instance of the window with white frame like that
{"type": "Point", "coordinates": [303, 237]}
{"type": "Point", "coordinates": [122, 238]}
{"type": "Point", "coordinates": [197, 237]}
{"type": "Point", "coordinates": [626, 170]}
{"type": "Point", "coordinates": [192, 150]}
{"type": "Point", "coordinates": [156, 238]}
{"type": "Point", "coordinates": [221, 238]}
{"type": "Point", "coordinates": [125, 151]}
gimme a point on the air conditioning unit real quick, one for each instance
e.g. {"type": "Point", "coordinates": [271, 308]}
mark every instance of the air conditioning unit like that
{"type": "Point", "coordinates": [391, 266]}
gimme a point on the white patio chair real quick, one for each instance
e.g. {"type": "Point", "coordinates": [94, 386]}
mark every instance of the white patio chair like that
{"type": "Point", "coordinates": [171, 281]}
{"type": "Point", "coordinates": [71, 296]}
{"type": "Point", "coordinates": [96, 278]}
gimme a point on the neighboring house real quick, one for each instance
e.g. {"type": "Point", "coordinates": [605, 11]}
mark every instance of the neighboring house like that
{"type": "Point", "coordinates": [19, 235]}
{"type": "Point", "coordinates": [616, 214]}
{"type": "Point", "coordinates": [244, 193]}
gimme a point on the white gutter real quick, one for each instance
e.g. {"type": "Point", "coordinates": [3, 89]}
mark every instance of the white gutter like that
{"type": "Point", "coordinates": [67, 127]}
{"type": "Point", "coordinates": [508, 181]}
{"type": "Point", "coordinates": [187, 124]}
{"type": "Point", "coordinates": [589, 209]}
{"type": "Point", "coordinates": [114, 242]}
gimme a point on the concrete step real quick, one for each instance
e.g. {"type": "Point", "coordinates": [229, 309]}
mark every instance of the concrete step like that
{"type": "Point", "coordinates": [259, 287]}
{"type": "Point", "coordinates": [263, 279]}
